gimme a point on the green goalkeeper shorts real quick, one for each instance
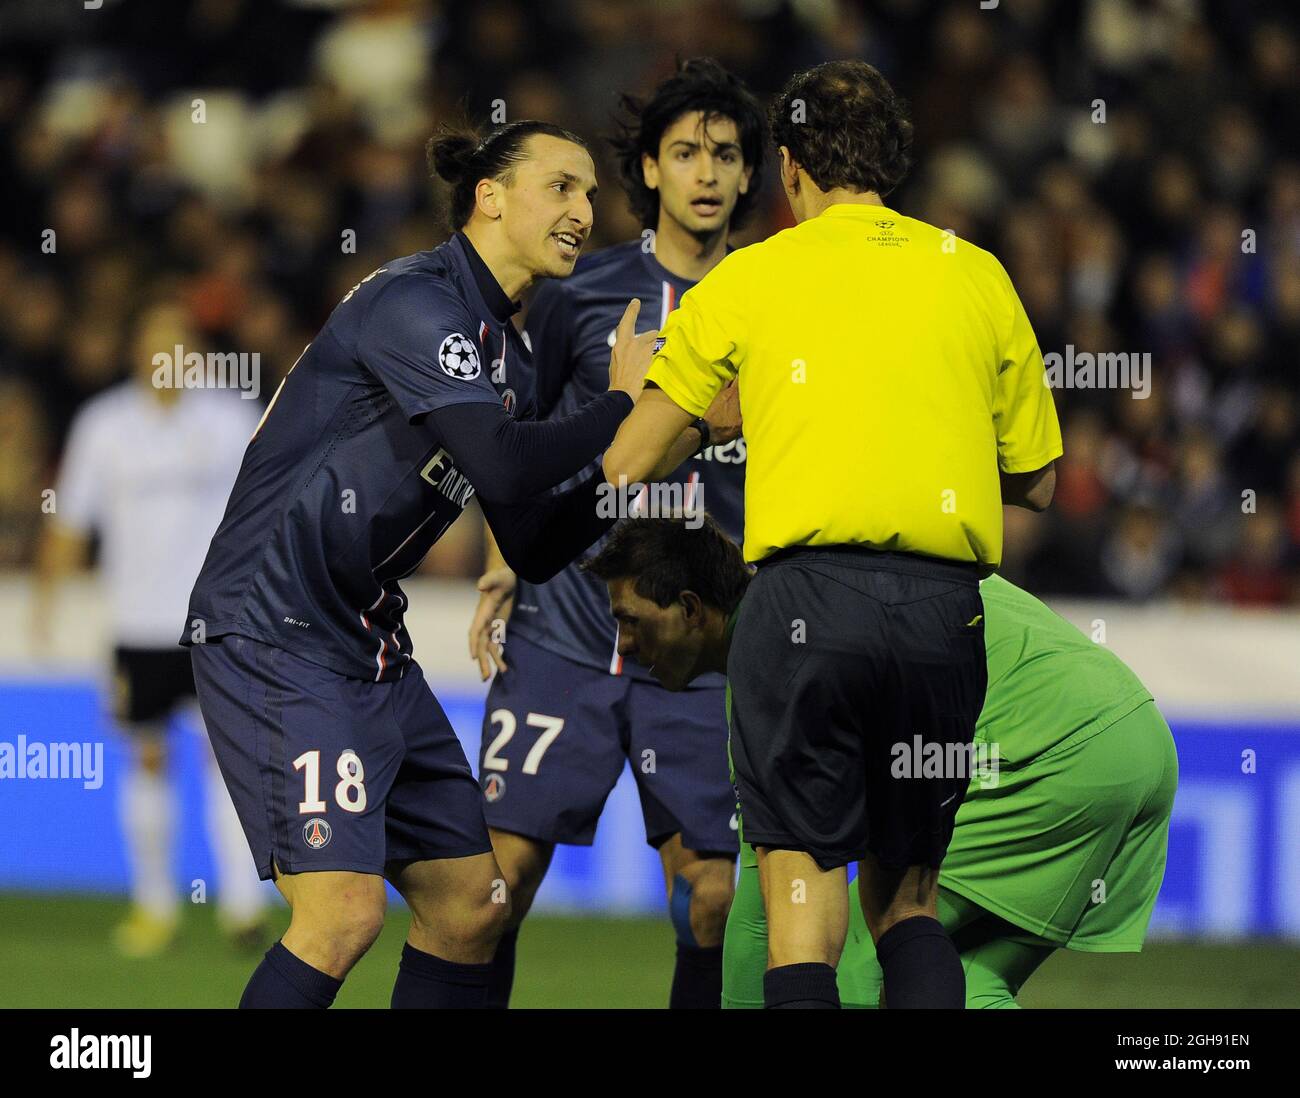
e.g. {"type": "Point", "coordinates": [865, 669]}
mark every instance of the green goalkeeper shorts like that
{"type": "Point", "coordinates": [1071, 846]}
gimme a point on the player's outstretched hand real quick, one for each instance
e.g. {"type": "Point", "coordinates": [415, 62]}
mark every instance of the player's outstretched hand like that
{"type": "Point", "coordinates": [632, 353]}
{"type": "Point", "coordinates": [723, 415]}
{"type": "Point", "coordinates": [487, 630]}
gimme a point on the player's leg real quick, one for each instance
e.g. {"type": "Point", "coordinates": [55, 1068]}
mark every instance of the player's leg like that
{"type": "Point", "coordinates": [807, 914]}
{"type": "Point", "coordinates": [309, 758]}
{"type": "Point", "coordinates": [800, 772]}
{"type": "Point", "coordinates": [336, 917]}
{"type": "Point", "coordinates": [920, 963]}
{"type": "Point", "coordinates": [700, 889]}
{"type": "Point", "coordinates": [241, 907]}
{"type": "Point", "coordinates": [523, 862]}
{"type": "Point", "coordinates": [859, 976]}
{"type": "Point", "coordinates": [146, 806]}
{"type": "Point", "coordinates": [459, 908]}
{"type": "Point", "coordinates": [997, 958]}
{"type": "Point", "coordinates": [744, 947]}
{"type": "Point", "coordinates": [148, 814]}
{"type": "Point", "coordinates": [677, 745]}
{"type": "Point", "coordinates": [550, 754]}
{"type": "Point", "coordinates": [440, 859]}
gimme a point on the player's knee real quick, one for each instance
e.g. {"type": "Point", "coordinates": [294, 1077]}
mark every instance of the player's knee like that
{"type": "Point", "coordinates": [332, 933]}
{"type": "Point", "coordinates": [711, 903]}
{"type": "Point", "coordinates": [523, 866]}
{"type": "Point", "coordinates": [359, 924]}
{"type": "Point", "coordinates": [490, 920]}
{"type": "Point", "coordinates": [475, 925]}
{"type": "Point", "coordinates": [699, 906]}
{"type": "Point", "coordinates": [521, 879]}
{"type": "Point", "coordinates": [353, 920]}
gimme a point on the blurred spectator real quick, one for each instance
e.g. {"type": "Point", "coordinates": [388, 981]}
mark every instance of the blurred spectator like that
{"type": "Point", "coordinates": [1205, 509]}
{"type": "Point", "coordinates": [1140, 557]}
{"type": "Point", "coordinates": [1258, 574]}
{"type": "Point", "coordinates": [24, 471]}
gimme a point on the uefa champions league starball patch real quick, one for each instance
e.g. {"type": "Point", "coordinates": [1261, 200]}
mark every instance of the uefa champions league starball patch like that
{"type": "Point", "coordinates": [458, 357]}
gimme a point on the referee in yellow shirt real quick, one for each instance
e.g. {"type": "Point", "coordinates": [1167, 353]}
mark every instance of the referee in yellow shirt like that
{"type": "Point", "coordinates": [894, 398]}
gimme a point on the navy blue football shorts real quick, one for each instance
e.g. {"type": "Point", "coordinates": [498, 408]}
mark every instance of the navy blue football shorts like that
{"type": "Point", "coordinates": [335, 773]}
{"type": "Point", "coordinates": [556, 735]}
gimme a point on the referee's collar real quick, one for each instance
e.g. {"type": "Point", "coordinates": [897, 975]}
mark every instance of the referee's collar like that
{"type": "Point", "coordinates": [857, 209]}
{"type": "Point", "coordinates": [494, 297]}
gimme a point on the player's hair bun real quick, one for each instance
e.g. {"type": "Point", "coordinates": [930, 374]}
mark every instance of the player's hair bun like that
{"type": "Point", "coordinates": [457, 156]}
{"type": "Point", "coordinates": [451, 154]}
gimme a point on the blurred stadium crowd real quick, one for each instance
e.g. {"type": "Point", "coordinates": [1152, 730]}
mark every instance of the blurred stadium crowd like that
{"type": "Point", "coordinates": [1170, 228]}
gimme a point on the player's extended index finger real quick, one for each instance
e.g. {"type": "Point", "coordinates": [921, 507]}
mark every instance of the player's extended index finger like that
{"type": "Point", "coordinates": [627, 326]}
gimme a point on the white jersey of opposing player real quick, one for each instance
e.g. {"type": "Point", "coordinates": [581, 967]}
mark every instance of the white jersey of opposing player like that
{"type": "Point", "coordinates": [153, 479]}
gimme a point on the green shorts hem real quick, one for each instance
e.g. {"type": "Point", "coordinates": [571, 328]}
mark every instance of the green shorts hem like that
{"type": "Point", "coordinates": [740, 1004]}
{"type": "Point", "coordinates": [1049, 935]}
{"type": "Point", "coordinates": [1103, 947]}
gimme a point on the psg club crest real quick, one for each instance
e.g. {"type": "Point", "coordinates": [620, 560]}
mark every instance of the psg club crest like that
{"type": "Point", "coordinates": [316, 833]}
{"type": "Point", "coordinates": [494, 788]}
{"type": "Point", "coordinates": [458, 357]}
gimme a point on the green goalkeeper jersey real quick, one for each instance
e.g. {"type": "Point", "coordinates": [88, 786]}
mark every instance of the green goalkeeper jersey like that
{"type": "Point", "coordinates": [1048, 683]}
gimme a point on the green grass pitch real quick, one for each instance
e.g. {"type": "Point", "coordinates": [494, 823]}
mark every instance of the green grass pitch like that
{"type": "Point", "coordinates": [54, 952]}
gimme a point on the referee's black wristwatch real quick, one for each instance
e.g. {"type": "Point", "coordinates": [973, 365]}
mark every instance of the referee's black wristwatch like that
{"type": "Point", "coordinates": [703, 427]}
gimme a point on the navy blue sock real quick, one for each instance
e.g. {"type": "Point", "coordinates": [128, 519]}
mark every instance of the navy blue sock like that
{"type": "Point", "coordinates": [809, 986]}
{"type": "Point", "coordinates": [921, 965]}
{"type": "Point", "coordinates": [697, 978]}
{"type": "Point", "coordinates": [426, 982]}
{"type": "Point", "coordinates": [502, 979]}
{"type": "Point", "coordinates": [283, 981]}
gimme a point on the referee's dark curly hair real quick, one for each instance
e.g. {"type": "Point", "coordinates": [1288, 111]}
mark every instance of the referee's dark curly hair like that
{"type": "Point", "coordinates": [700, 84]}
{"type": "Point", "coordinates": [845, 126]}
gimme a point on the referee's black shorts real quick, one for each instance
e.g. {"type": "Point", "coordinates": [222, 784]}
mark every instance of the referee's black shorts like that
{"type": "Point", "coordinates": [841, 658]}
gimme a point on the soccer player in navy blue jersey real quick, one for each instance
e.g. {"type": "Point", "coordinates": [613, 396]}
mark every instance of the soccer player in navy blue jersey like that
{"type": "Point", "coordinates": [565, 712]}
{"type": "Point", "coordinates": [415, 396]}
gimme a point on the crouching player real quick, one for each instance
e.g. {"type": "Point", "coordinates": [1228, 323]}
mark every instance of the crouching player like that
{"type": "Point", "coordinates": [1061, 840]}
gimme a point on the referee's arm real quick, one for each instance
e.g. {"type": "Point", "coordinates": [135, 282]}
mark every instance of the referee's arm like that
{"type": "Point", "coordinates": [1032, 491]}
{"type": "Point", "coordinates": [644, 446]}
{"type": "Point", "coordinates": [1024, 414]}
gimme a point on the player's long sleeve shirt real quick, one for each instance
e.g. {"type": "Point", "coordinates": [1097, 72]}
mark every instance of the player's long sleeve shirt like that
{"type": "Point", "coordinates": [417, 390]}
{"type": "Point", "coordinates": [537, 532]}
